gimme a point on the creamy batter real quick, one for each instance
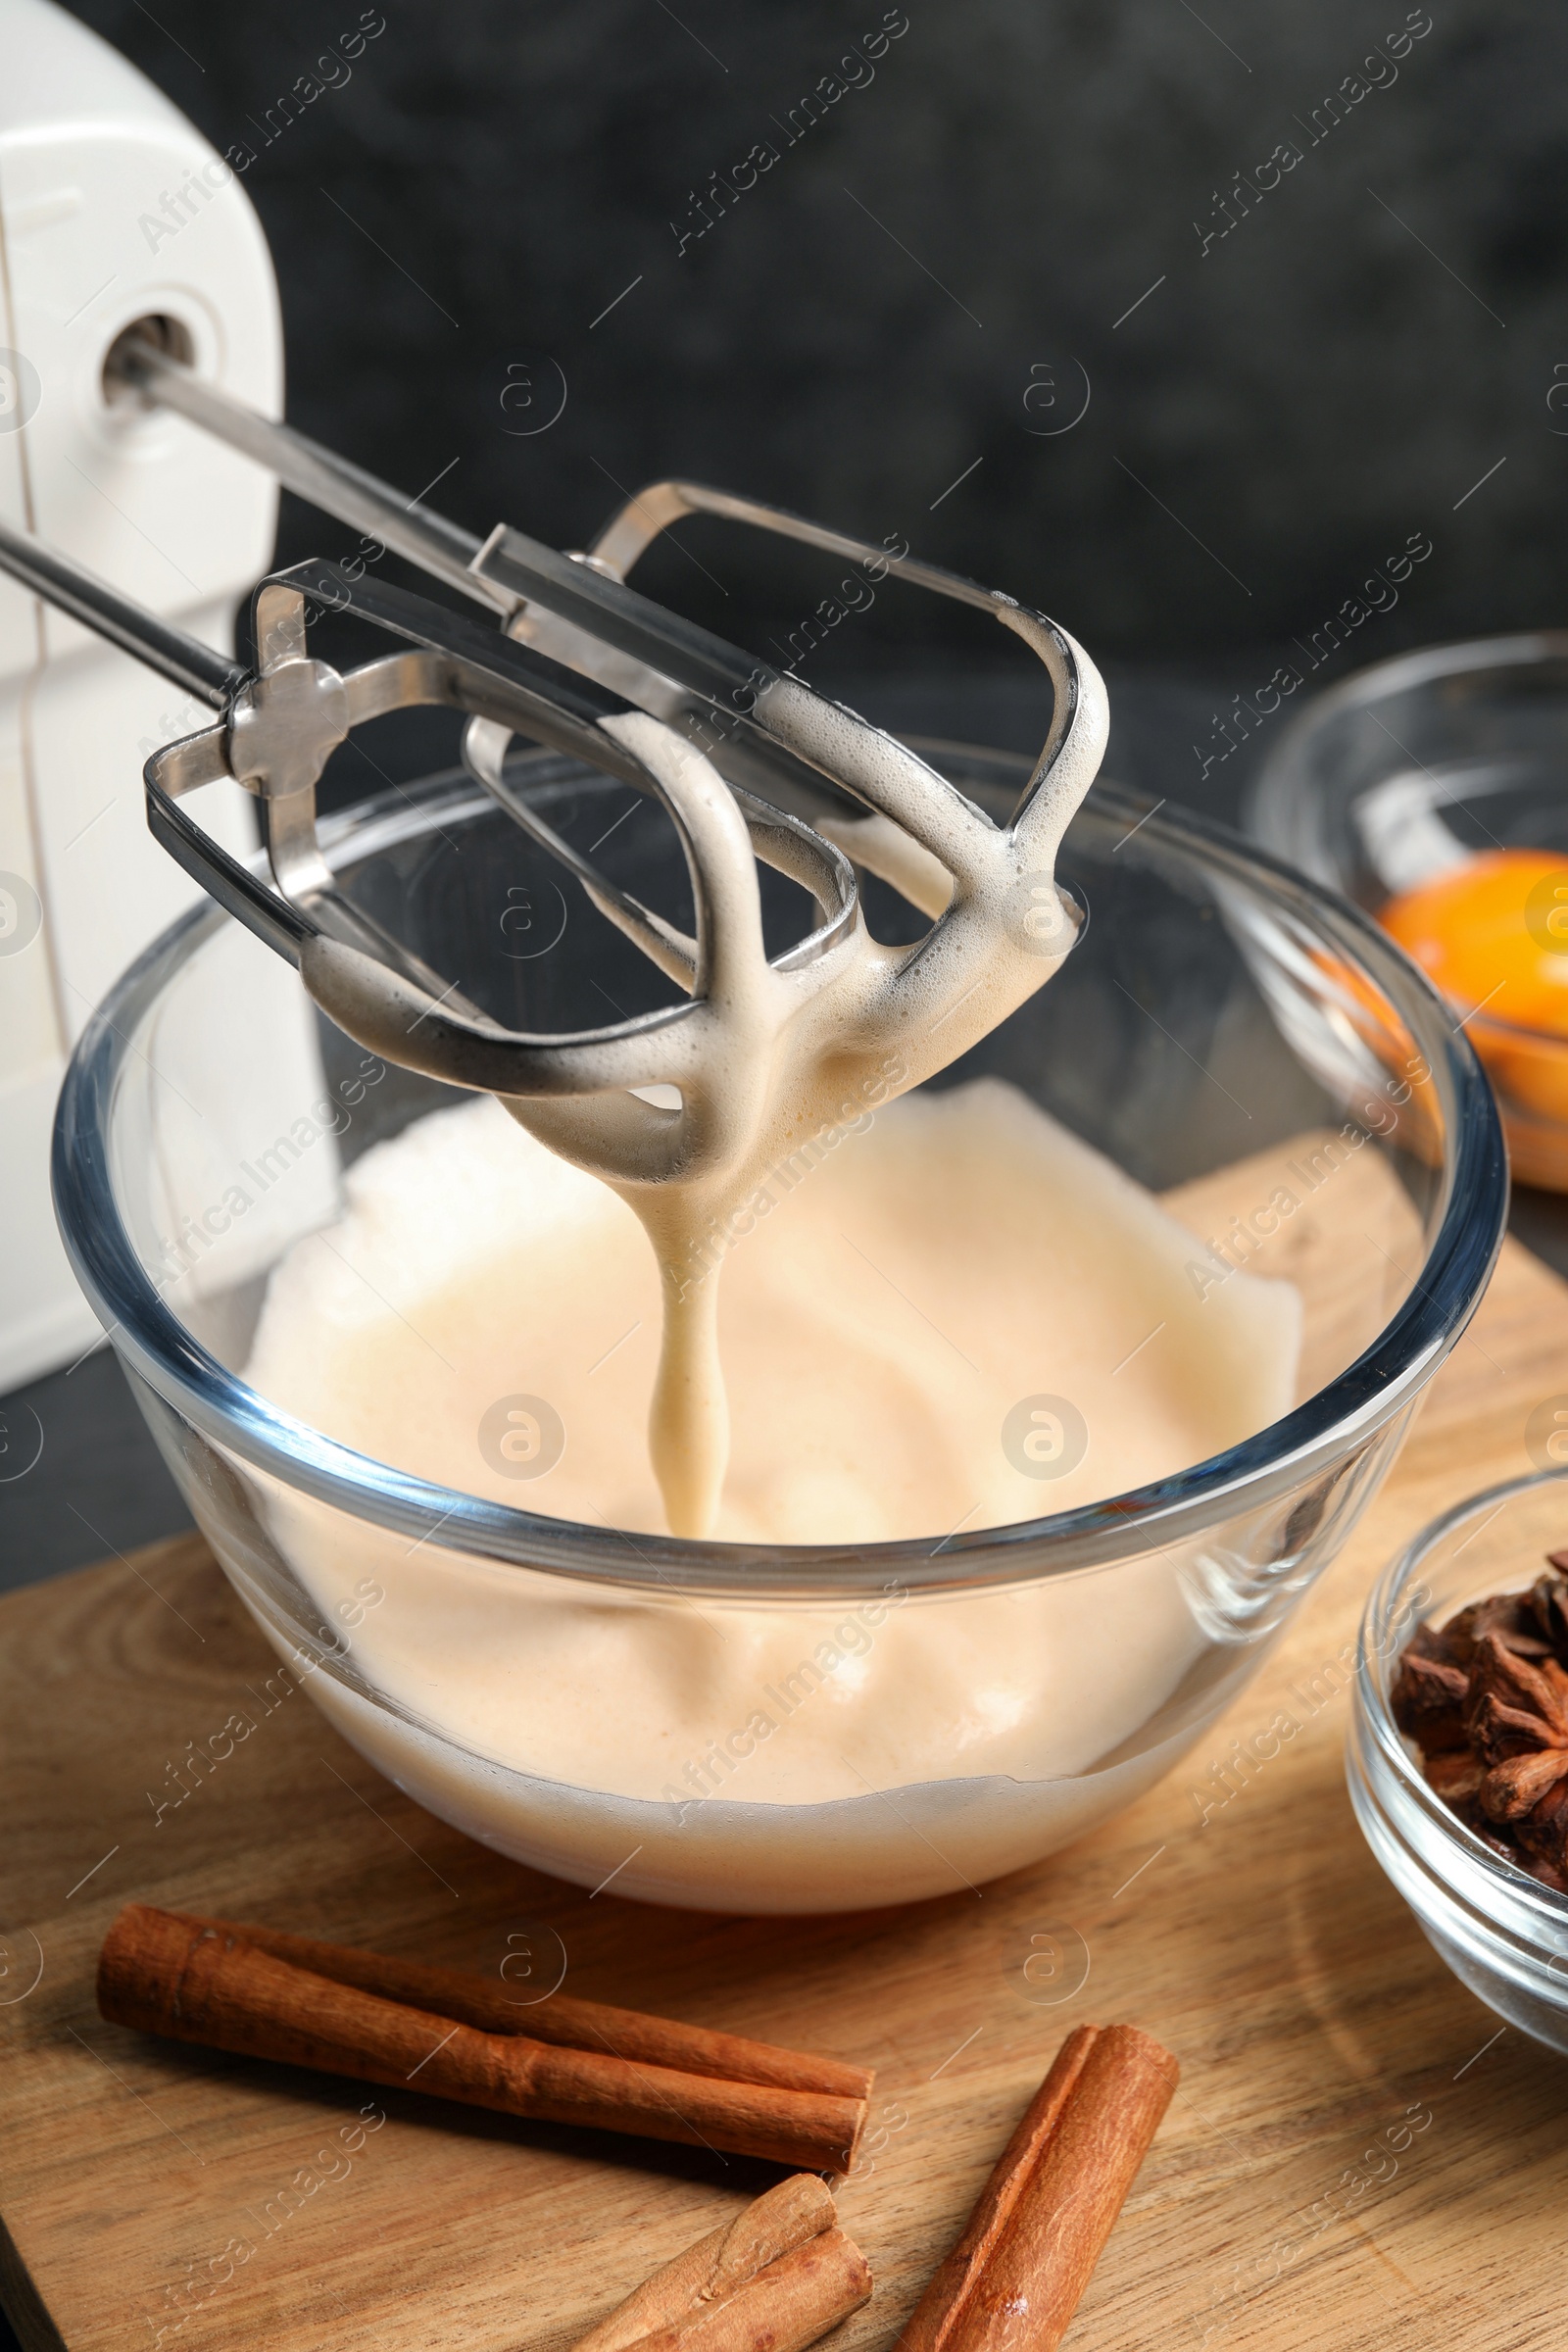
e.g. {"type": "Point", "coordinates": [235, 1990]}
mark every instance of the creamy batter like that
{"type": "Point", "coordinates": [953, 1257]}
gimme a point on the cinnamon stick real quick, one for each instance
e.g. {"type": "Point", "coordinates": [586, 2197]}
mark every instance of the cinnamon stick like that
{"type": "Point", "coordinates": [704, 2284]}
{"type": "Point", "coordinates": [1026, 2254]}
{"type": "Point", "coordinates": [561, 2018]}
{"type": "Point", "coordinates": [166, 1975]}
{"type": "Point", "coordinates": [783, 2309]}
{"type": "Point", "coordinates": [935, 2316]}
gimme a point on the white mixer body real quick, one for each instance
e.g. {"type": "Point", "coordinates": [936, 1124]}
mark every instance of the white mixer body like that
{"type": "Point", "coordinates": [113, 209]}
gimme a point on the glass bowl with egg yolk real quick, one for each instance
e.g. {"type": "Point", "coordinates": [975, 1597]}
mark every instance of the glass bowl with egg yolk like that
{"type": "Point", "coordinates": [1432, 791]}
{"type": "Point", "coordinates": [1492, 935]}
{"type": "Point", "coordinates": [1054, 1384]}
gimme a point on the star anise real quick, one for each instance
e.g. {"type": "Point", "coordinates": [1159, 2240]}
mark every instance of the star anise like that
{"type": "Point", "coordinates": [1485, 1697]}
{"type": "Point", "coordinates": [1429, 1694]}
{"type": "Point", "coordinates": [1511, 1618]}
{"type": "Point", "coordinates": [1514, 1705]}
{"type": "Point", "coordinates": [1548, 1599]}
{"type": "Point", "coordinates": [1519, 1728]}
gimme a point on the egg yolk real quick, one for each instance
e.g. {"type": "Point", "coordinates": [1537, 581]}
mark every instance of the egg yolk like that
{"type": "Point", "coordinates": [1492, 935]}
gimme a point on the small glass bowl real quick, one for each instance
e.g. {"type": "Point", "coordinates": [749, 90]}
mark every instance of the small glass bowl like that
{"type": "Point", "coordinates": [1503, 1934]}
{"type": "Point", "coordinates": [1218, 1007]}
{"type": "Point", "coordinates": [1375, 784]}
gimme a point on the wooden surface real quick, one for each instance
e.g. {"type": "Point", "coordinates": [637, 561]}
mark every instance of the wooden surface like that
{"type": "Point", "coordinates": [159, 2195]}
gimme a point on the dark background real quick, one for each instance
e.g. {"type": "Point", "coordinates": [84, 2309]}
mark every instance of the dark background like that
{"type": "Point", "coordinates": [479, 218]}
{"type": "Point", "coordinates": [861, 327]}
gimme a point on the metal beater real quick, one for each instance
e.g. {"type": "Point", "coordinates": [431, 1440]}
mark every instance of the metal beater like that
{"type": "Point", "coordinates": [786, 755]}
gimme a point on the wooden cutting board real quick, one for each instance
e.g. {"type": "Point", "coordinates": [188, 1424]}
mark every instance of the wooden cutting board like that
{"type": "Point", "coordinates": [157, 2197]}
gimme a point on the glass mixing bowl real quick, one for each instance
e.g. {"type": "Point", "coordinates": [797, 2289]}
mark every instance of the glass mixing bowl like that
{"type": "Point", "coordinates": [1502, 1932]}
{"type": "Point", "coordinates": [1222, 1026]}
{"type": "Point", "coordinates": [1397, 773]}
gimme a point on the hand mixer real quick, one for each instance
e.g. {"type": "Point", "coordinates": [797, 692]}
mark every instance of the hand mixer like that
{"type": "Point", "coordinates": [732, 748]}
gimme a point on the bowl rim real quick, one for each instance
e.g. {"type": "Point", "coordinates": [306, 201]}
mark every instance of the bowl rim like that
{"type": "Point", "coordinates": [1370, 1702]}
{"type": "Point", "coordinates": [1341, 1419]}
{"type": "Point", "coordinates": [1273, 786]}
